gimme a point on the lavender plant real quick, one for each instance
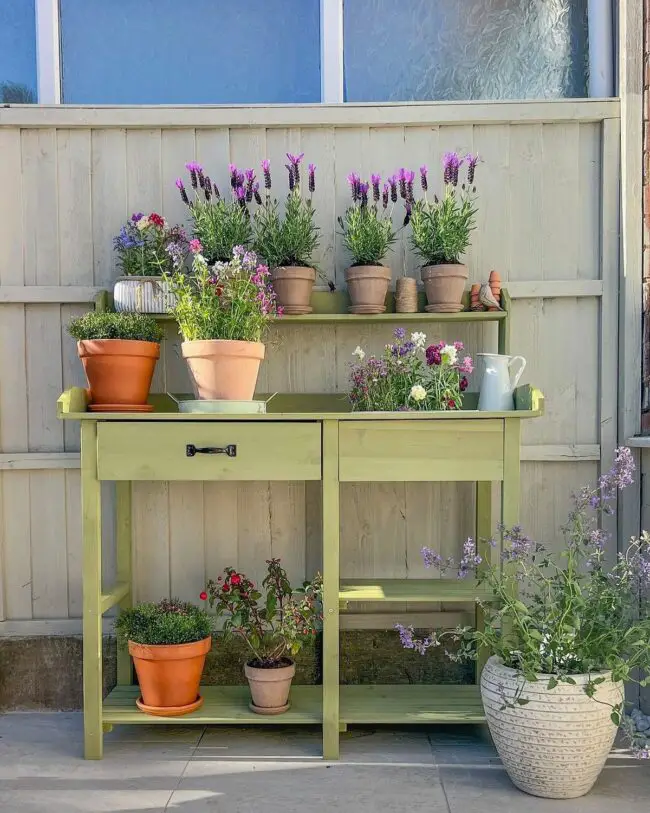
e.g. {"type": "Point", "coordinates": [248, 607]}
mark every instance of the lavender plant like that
{"type": "Point", "coordinates": [367, 228]}
{"type": "Point", "coordinates": [565, 614]}
{"type": "Point", "coordinates": [147, 247]}
{"type": "Point", "coordinates": [220, 224]}
{"type": "Point", "coordinates": [441, 227]}
{"type": "Point", "coordinates": [410, 376]}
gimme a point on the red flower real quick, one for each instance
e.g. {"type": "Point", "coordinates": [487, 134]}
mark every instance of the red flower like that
{"type": "Point", "coordinates": [451, 403]}
{"type": "Point", "coordinates": [225, 588]}
{"type": "Point", "coordinates": [218, 290]}
{"type": "Point", "coordinates": [157, 220]}
{"type": "Point", "coordinates": [235, 579]}
{"type": "Point", "coordinates": [203, 596]}
{"type": "Point", "coordinates": [463, 384]}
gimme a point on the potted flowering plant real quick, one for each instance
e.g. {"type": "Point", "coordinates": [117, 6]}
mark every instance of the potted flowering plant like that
{"type": "Point", "coordinates": [368, 234]}
{"type": "Point", "coordinates": [563, 635]}
{"type": "Point", "coordinates": [222, 313]}
{"type": "Point", "coordinates": [168, 642]}
{"type": "Point", "coordinates": [220, 224]}
{"type": "Point", "coordinates": [441, 229]}
{"type": "Point", "coordinates": [287, 243]}
{"type": "Point", "coordinates": [410, 376]}
{"type": "Point", "coordinates": [119, 353]}
{"type": "Point", "coordinates": [274, 626]}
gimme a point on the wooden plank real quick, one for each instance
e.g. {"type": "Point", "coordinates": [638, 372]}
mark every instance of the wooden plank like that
{"type": "Point", "coordinates": [35, 460]}
{"type": "Point", "coordinates": [17, 545]}
{"type": "Point", "coordinates": [74, 172]}
{"type": "Point", "coordinates": [220, 520]}
{"type": "Point", "coordinates": [57, 294]}
{"type": "Point", "coordinates": [552, 289]}
{"type": "Point", "coordinates": [186, 541]}
{"type": "Point", "coordinates": [13, 374]}
{"type": "Point", "coordinates": [421, 619]}
{"type": "Point", "coordinates": [11, 208]}
{"type": "Point", "coordinates": [48, 549]}
{"type": "Point", "coordinates": [109, 199]}
{"type": "Point", "coordinates": [390, 590]}
{"type": "Point", "coordinates": [177, 148]}
{"type": "Point", "coordinates": [525, 181]}
{"type": "Point", "coordinates": [44, 377]}
{"type": "Point", "coordinates": [115, 595]}
{"type": "Point", "coordinates": [411, 704]}
{"type": "Point", "coordinates": [40, 207]}
{"type": "Point", "coordinates": [143, 176]}
{"type": "Point", "coordinates": [151, 568]}
{"type": "Point", "coordinates": [74, 547]}
{"type": "Point", "coordinates": [28, 628]}
{"type": "Point", "coordinates": [124, 568]}
{"type": "Point", "coordinates": [590, 168]}
{"type": "Point", "coordinates": [491, 240]}
{"type": "Point", "coordinates": [72, 371]}
{"type": "Point", "coordinates": [287, 525]}
{"type": "Point", "coordinates": [318, 146]}
{"type": "Point", "coordinates": [253, 529]}
{"type": "Point", "coordinates": [557, 452]}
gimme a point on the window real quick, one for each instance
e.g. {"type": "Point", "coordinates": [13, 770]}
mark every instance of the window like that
{"type": "Point", "coordinates": [190, 51]}
{"type": "Point", "coordinates": [17, 52]}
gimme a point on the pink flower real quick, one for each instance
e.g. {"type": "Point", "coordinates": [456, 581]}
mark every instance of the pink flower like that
{"type": "Point", "coordinates": [195, 246]}
{"type": "Point", "coordinates": [467, 365]}
{"type": "Point", "coordinates": [459, 346]}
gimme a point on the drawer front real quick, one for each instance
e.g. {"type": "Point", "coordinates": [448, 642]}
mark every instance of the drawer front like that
{"type": "Point", "coordinates": [402, 451]}
{"type": "Point", "coordinates": [159, 451]}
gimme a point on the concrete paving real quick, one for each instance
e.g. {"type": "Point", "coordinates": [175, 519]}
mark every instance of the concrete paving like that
{"type": "Point", "coordinates": [149, 769]}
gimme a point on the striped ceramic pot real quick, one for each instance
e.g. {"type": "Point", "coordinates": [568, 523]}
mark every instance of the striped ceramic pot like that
{"type": "Point", "coordinates": [142, 295]}
{"type": "Point", "coordinates": [556, 745]}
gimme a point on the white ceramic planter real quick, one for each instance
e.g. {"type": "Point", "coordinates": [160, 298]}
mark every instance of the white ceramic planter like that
{"type": "Point", "coordinates": [557, 744]}
{"type": "Point", "coordinates": [142, 295]}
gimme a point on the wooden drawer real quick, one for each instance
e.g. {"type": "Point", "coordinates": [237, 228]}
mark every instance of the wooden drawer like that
{"type": "Point", "coordinates": [264, 450]}
{"type": "Point", "coordinates": [422, 450]}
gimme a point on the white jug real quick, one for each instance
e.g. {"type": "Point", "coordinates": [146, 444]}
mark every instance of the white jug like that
{"type": "Point", "coordinates": [496, 385]}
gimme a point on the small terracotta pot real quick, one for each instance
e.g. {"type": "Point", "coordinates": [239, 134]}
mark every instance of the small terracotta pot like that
{"type": "Point", "coordinates": [367, 287]}
{"type": "Point", "coordinates": [223, 369]}
{"type": "Point", "coordinates": [270, 687]}
{"type": "Point", "coordinates": [444, 286]}
{"type": "Point", "coordinates": [119, 371]}
{"type": "Point", "coordinates": [293, 286]}
{"type": "Point", "coordinates": [169, 676]}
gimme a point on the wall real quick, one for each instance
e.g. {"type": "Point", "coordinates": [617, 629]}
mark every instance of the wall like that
{"type": "Point", "coordinates": [548, 221]}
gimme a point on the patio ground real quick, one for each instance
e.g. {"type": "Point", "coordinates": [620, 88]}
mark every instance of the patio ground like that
{"type": "Point", "coordinates": [148, 769]}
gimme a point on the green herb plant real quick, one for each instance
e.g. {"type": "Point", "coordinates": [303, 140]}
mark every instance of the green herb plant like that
{"type": "Point", "coordinates": [169, 621]}
{"type": "Point", "coordinates": [132, 326]}
{"type": "Point", "coordinates": [367, 228]}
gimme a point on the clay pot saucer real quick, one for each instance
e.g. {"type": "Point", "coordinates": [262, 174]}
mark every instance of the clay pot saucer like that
{"type": "Point", "coordinates": [169, 711]}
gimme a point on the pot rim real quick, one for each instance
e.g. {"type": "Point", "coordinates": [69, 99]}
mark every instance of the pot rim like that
{"type": "Point", "coordinates": [235, 348]}
{"type": "Point", "coordinates": [140, 278]}
{"type": "Point", "coordinates": [115, 347]}
{"type": "Point", "coordinates": [297, 271]}
{"type": "Point", "coordinates": [170, 652]}
{"type": "Point", "coordinates": [541, 676]}
{"type": "Point", "coordinates": [289, 665]}
{"type": "Point", "coordinates": [368, 272]}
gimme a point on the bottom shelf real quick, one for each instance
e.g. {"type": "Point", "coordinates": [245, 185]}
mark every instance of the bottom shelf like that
{"type": "Point", "coordinates": [403, 704]}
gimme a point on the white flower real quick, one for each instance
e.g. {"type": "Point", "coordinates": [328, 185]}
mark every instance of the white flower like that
{"type": "Point", "coordinates": [449, 354]}
{"type": "Point", "coordinates": [143, 223]}
{"type": "Point", "coordinates": [419, 340]}
{"type": "Point", "coordinates": [359, 353]}
{"type": "Point", "coordinates": [418, 393]}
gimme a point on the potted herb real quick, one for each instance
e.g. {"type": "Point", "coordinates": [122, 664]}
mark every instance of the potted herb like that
{"type": "Point", "coordinates": [146, 249]}
{"type": "Point", "coordinates": [410, 376]}
{"type": "Point", "coordinates": [168, 642]}
{"type": "Point", "coordinates": [274, 627]}
{"type": "Point", "coordinates": [563, 635]}
{"type": "Point", "coordinates": [118, 352]}
{"type": "Point", "coordinates": [223, 312]}
{"type": "Point", "coordinates": [287, 243]}
{"type": "Point", "coordinates": [218, 223]}
{"type": "Point", "coordinates": [440, 231]}
{"type": "Point", "coordinates": [368, 234]}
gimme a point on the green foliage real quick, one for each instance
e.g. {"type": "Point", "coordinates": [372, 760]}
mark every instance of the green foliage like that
{"type": "Point", "coordinates": [273, 625]}
{"type": "Point", "coordinates": [441, 229]}
{"type": "Point", "coordinates": [368, 233]}
{"type": "Point", "coordinates": [170, 621]}
{"type": "Point", "coordinates": [134, 326]}
{"type": "Point", "coordinates": [288, 240]}
{"type": "Point", "coordinates": [220, 225]}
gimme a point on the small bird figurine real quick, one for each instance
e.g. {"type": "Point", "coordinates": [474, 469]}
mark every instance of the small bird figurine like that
{"type": "Point", "coordinates": [486, 297]}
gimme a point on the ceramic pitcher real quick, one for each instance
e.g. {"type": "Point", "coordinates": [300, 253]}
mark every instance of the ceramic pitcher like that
{"type": "Point", "coordinates": [497, 385]}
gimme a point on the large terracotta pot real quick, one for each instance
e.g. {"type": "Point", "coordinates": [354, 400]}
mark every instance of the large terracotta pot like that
{"type": "Point", "coordinates": [169, 676]}
{"type": "Point", "coordinates": [223, 369]}
{"type": "Point", "coordinates": [142, 295]}
{"type": "Point", "coordinates": [270, 687]}
{"type": "Point", "coordinates": [556, 745]}
{"type": "Point", "coordinates": [119, 371]}
{"type": "Point", "coordinates": [367, 287]}
{"type": "Point", "coordinates": [444, 286]}
{"type": "Point", "coordinates": [293, 286]}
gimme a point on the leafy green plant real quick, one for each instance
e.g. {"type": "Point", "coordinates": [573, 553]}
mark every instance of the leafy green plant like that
{"type": "Point", "coordinates": [367, 229]}
{"type": "Point", "coordinates": [134, 326]}
{"type": "Point", "coordinates": [441, 228]}
{"type": "Point", "coordinates": [292, 239]}
{"type": "Point", "coordinates": [147, 247]}
{"type": "Point", "coordinates": [232, 300]}
{"type": "Point", "coordinates": [275, 625]}
{"type": "Point", "coordinates": [169, 621]}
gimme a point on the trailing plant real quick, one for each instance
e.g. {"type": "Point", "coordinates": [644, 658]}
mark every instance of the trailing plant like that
{"type": "Point", "coordinates": [232, 300]}
{"type": "Point", "coordinates": [561, 614]}
{"type": "Point", "coordinates": [220, 224]}
{"type": "Point", "coordinates": [133, 326]}
{"type": "Point", "coordinates": [441, 227]}
{"type": "Point", "coordinates": [410, 376]}
{"type": "Point", "coordinates": [274, 622]}
{"type": "Point", "coordinates": [290, 239]}
{"type": "Point", "coordinates": [367, 228]}
{"type": "Point", "coordinates": [169, 621]}
{"type": "Point", "coordinates": [147, 247]}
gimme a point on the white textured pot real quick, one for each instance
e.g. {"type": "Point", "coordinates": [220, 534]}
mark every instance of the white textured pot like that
{"type": "Point", "coordinates": [557, 744]}
{"type": "Point", "coordinates": [142, 295]}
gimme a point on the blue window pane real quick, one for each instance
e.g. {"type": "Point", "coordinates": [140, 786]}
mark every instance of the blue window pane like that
{"type": "Point", "coordinates": [17, 52]}
{"type": "Point", "coordinates": [190, 51]}
{"type": "Point", "coordinates": [419, 50]}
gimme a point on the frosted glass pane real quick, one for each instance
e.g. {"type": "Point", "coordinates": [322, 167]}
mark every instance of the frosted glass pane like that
{"type": "Point", "coordinates": [190, 51]}
{"type": "Point", "coordinates": [403, 50]}
{"type": "Point", "coordinates": [17, 51]}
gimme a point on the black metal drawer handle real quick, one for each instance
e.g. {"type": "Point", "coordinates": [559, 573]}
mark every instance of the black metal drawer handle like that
{"type": "Point", "coordinates": [191, 450]}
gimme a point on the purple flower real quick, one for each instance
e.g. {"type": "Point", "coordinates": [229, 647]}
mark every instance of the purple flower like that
{"type": "Point", "coordinates": [137, 217]}
{"type": "Point", "coordinates": [408, 209]}
{"type": "Point", "coordinates": [431, 557]}
{"type": "Point", "coordinates": [472, 161]}
{"type": "Point", "coordinates": [354, 181]}
{"type": "Point", "coordinates": [385, 195]}
{"type": "Point", "coordinates": [399, 333]}
{"type": "Point", "coordinates": [423, 177]}
{"type": "Point", "coordinates": [266, 169]}
{"type": "Point", "coordinates": [409, 641]}
{"type": "Point", "coordinates": [409, 177]}
{"type": "Point", "coordinates": [393, 188]}
{"type": "Point", "coordinates": [179, 184]}
{"type": "Point", "coordinates": [520, 545]}
{"type": "Point", "coordinates": [470, 559]}
{"type": "Point", "coordinates": [292, 176]}
{"type": "Point", "coordinates": [312, 178]}
{"type": "Point", "coordinates": [215, 189]}
{"type": "Point", "coordinates": [207, 187]}
{"type": "Point", "coordinates": [363, 191]}
{"type": "Point", "coordinates": [433, 355]}
{"type": "Point", "coordinates": [240, 194]}
{"type": "Point", "coordinates": [375, 180]}
{"type": "Point", "coordinates": [295, 163]}
{"type": "Point", "coordinates": [234, 176]}
{"type": "Point", "coordinates": [402, 183]}
{"type": "Point", "coordinates": [451, 164]}
{"type": "Point", "coordinates": [256, 194]}
{"type": "Point", "coordinates": [466, 366]}
{"type": "Point", "coordinates": [193, 168]}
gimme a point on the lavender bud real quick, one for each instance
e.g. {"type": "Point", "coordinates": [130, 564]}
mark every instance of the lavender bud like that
{"type": "Point", "coordinates": [292, 178]}
{"type": "Point", "coordinates": [207, 188]}
{"type": "Point", "coordinates": [423, 178]}
{"type": "Point", "coordinates": [215, 188]}
{"type": "Point", "coordinates": [184, 197]}
{"type": "Point", "coordinates": [393, 188]}
{"type": "Point", "coordinates": [312, 178]}
{"type": "Point", "coordinates": [375, 180]}
{"type": "Point", "coordinates": [384, 195]}
{"type": "Point", "coordinates": [201, 178]}
{"type": "Point", "coordinates": [363, 191]}
{"type": "Point", "coordinates": [266, 169]}
{"type": "Point", "coordinates": [407, 217]}
{"type": "Point", "coordinates": [402, 183]}
{"type": "Point", "coordinates": [232, 169]}
{"type": "Point", "coordinates": [256, 194]}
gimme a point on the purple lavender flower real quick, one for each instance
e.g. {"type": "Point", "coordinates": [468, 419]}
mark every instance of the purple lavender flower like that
{"type": "Point", "coordinates": [385, 195]}
{"type": "Point", "coordinates": [292, 176]}
{"type": "Point", "coordinates": [181, 188]}
{"type": "Point", "coordinates": [312, 178]}
{"type": "Point", "coordinates": [207, 187]}
{"type": "Point", "coordinates": [409, 178]}
{"type": "Point", "coordinates": [354, 181]}
{"type": "Point", "coordinates": [363, 191]}
{"type": "Point", "coordinates": [256, 194]}
{"type": "Point", "coordinates": [451, 164]}
{"type": "Point", "coordinates": [409, 210]}
{"type": "Point", "coordinates": [295, 163]}
{"type": "Point", "coordinates": [423, 177]}
{"type": "Point", "coordinates": [215, 189]}
{"type": "Point", "coordinates": [393, 188]}
{"type": "Point", "coordinates": [234, 176]}
{"type": "Point", "coordinates": [266, 169]}
{"type": "Point", "coordinates": [472, 161]}
{"type": "Point", "coordinates": [240, 194]}
{"type": "Point", "coordinates": [402, 183]}
{"type": "Point", "coordinates": [193, 168]}
{"type": "Point", "coordinates": [375, 180]}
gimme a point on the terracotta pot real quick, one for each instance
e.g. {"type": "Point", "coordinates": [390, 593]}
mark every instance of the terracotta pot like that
{"type": "Point", "coordinates": [169, 676]}
{"type": "Point", "coordinates": [223, 369]}
{"type": "Point", "coordinates": [367, 287]}
{"type": "Point", "coordinates": [119, 371]}
{"type": "Point", "coordinates": [444, 286]}
{"type": "Point", "coordinates": [293, 286]}
{"type": "Point", "coordinates": [270, 687]}
{"type": "Point", "coordinates": [142, 295]}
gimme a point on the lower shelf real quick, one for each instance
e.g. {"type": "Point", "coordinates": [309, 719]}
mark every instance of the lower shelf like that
{"type": "Point", "coordinates": [228, 705]}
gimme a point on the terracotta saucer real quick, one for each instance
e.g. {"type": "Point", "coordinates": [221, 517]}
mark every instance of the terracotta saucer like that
{"type": "Point", "coordinates": [120, 408]}
{"type": "Point", "coordinates": [169, 711]}
{"type": "Point", "coordinates": [268, 712]}
{"type": "Point", "coordinates": [444, 308]}
{"type": "Point", "coordinates": [365, 309]}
